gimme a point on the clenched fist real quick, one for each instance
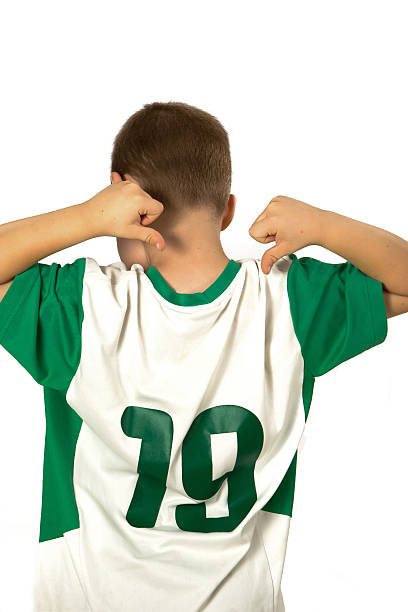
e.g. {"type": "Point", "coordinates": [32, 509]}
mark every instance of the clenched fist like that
{"type": "Point", "coordinates": [290, 223]}
{"type": "Point", "coordinates": [123, 210]}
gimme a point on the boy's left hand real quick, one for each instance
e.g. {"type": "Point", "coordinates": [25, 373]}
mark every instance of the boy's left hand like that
{"type": "Point", "coordinates": [291, 223]}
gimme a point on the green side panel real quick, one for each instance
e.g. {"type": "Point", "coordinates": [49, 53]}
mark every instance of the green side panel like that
{"type": "Point", "coordinates": [59, 512]}
{"type": "Point", "coordinates": [307, 391]}
{"type": "Point", "coordinates": [337, 311]}
{"type": "Point", "coordinates": [41, 318]}
{"type": "Point", "coordinates": [281, 501]}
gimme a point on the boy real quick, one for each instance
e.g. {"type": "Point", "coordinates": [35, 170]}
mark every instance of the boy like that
{"type": "Point", "coordinates": [177, 381]}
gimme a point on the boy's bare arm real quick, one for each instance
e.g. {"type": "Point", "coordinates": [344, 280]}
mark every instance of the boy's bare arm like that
{"type": "Point", "coordinates": [293, 224]}
{"type": "Point", "coordinates": [375, 251]}
{"type": "Point", "coordinates": [26, 241]}
{"type": "Point", "coordinates": [114, 211]}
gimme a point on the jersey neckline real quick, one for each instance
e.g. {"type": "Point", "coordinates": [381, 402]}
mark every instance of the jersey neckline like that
{"type": "Point", "coordinates": [194, 299]}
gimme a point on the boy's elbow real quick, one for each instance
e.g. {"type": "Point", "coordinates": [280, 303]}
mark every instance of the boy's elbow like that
{"type": "Point", "coordinates": [395, 304]}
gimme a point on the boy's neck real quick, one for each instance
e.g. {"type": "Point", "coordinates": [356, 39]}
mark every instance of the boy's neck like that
{"type": "Point", "coordinates": [189, 273]}
{"type": "Point", "coordinates": [192, 276]}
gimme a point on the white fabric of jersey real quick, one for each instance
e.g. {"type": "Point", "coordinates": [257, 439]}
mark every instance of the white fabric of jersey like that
{"type": "Point", "coordinates": [240, 350]}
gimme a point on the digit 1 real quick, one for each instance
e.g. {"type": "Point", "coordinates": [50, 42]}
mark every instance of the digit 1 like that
{"type": "Point", "coordinates": [155, 428]}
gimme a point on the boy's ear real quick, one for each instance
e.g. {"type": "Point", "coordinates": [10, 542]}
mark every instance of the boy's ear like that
{"type": "Point", "coordinates": [229, 211]}
{"type": "Point", "coordinates": [115, 177]}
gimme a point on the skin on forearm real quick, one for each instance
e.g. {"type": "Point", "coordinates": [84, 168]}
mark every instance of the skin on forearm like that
{"type": "Point", "coordinates": [27, 241]}
{"type": "Point", "coordinates": [376, 252]}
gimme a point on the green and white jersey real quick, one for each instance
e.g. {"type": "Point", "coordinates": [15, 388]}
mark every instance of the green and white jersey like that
{"type": "Point", "coordinates": [173, 422]}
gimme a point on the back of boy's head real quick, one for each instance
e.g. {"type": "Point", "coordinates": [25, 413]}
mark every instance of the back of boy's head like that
{"type": "Point", "coordinates": [179, 155]}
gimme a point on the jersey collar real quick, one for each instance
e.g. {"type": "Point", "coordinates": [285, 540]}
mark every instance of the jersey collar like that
{"type": "Point", "coordinates": [194, 299]}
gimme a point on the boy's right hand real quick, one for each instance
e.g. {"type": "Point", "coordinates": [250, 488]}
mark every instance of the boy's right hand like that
{"type": "Point", "coordinates": [122, 210]}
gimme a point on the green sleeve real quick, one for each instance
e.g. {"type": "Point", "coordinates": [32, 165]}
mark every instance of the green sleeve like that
{"type": "Point", "coordinates": [41, 317]}
{"type": "Point", "coordinates": [337, 311]}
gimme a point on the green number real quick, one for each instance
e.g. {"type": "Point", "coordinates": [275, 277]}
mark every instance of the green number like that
{"type": "Point", "coordinates": [155, 428]}
{"type": "Point", "coordinates": [197, 468]}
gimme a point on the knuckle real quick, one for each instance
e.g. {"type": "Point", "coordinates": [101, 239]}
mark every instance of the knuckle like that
{"type": "Point", "coordinates": [276, 199]}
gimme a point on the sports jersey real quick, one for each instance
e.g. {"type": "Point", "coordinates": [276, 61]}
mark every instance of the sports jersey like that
{"type": "Point", "coordinates": [173, 422]}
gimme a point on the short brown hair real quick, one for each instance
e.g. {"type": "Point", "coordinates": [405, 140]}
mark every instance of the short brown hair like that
{"type": "Point", "coordinates": [179, 154]}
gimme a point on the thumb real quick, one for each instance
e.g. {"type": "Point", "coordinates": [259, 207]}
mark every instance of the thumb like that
{"type": "Point", "coordinates": [147, 235]}
{"type": "Point", "coordinates": [271, 256]}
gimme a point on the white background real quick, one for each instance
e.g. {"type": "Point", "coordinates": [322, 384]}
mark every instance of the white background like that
{"type": "Point", "coordinates": [314, 98]}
